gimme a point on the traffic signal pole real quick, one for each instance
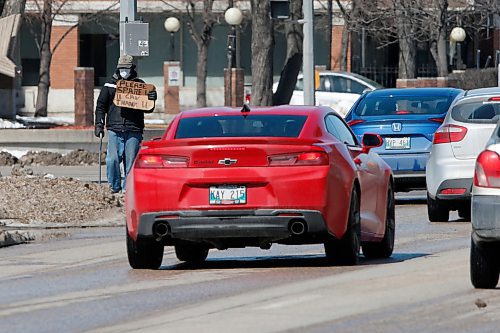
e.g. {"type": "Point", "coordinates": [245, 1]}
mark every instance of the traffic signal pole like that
{"type": "Point", "coordinates": [128, 13]}
{"type": "Point", "coordinates": [308, 51]}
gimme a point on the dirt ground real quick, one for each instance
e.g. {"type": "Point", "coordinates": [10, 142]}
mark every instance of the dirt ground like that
{"type": "Point", "coordinates": [43, 199]}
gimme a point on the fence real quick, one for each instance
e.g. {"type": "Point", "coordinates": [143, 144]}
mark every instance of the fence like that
{"type": "Point", "coordinates": [387, 76]}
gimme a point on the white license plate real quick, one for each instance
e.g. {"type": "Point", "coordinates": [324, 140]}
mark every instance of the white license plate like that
{"type": "Point", "coordinates": [228, 195]}
{"type": "Point", "coordinates": [397, 143]}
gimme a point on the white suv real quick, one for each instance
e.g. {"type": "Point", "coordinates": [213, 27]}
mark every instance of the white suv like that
{"type": "Point", "coordinates": [456, 145]}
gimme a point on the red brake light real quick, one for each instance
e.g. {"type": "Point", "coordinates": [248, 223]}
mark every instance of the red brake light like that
{"type": "Point", "coordinates": [160, 162]}
{"type": "Point", "coordinates": [449, 133]}
{"type": "Point", "coordinates": [437, 120]}
{"type": "Point", "coordinates": [494, 99]}
{"type": "Point", "coordinates": [355, 122]}
{"type": "Point", "coordinates": [451, 191]}
{"type": "Point", "coordinates": [306, 158]}
{"type": "Point", "coordinates": [487, 172]}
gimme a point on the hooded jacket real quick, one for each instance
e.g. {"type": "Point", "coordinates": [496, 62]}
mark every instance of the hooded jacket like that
{"type": "Point", "coordinates": [118, 119]}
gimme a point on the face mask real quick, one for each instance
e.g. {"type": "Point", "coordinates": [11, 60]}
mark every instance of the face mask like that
{"type": "Point", "coordinates": [124, 73]}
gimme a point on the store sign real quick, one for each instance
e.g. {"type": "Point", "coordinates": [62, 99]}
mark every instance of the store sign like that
{"type": "Point", "coordinates": [133, 95]}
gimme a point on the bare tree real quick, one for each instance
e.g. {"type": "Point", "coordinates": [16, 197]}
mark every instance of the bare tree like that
{"type": "Point", "coordinates": [262, 53]}
{"type": "Point", "coordinates": [9, 7]}
{"type": "Point", "coordinates": [202, 36]}
{"type": "Point", "coordinates": [294, 54]}
{"type": "Point", "coordinates": [46, 16]}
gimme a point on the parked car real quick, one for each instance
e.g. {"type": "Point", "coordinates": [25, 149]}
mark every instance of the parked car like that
{"type": "Point", "coordinates": [338, 90]}
{"type": "Point", "coordinates": [223, 178]}
{"type": "Point", "coordinates": [456, 145]}
{"type": "Point", "coordinates": [406, 119]}
{"type": "Point", "coordinates": [485, 242]}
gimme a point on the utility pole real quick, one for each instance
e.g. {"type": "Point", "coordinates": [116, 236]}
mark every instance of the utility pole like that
{"type": "Point", "coordinates": [134, 34]}
{"type": "Point", "coordinates": [308, 64]}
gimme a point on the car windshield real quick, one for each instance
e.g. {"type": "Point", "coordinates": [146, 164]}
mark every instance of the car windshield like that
{"type": "Point", "coordinates": [241, 126]}
{"type": "Point", "coordinates": [403, 105]}
{"type": "Point", "coordinates": [478, 112]}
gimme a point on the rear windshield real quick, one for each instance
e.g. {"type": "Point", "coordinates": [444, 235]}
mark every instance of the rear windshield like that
{"type": "Point", "coordinates": [239, 126]}
{"type": "Point", "coordinates": [403, 105]}
{"type": "Point", "coordinates": [478, 112]}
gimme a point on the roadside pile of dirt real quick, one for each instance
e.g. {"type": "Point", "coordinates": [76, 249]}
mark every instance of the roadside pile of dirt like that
{"type": "Point", "coordinates": [75, 157]}
{"type": "Point", "coordinates": [44, 200]}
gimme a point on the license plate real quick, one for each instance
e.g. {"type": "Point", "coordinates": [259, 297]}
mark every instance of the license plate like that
{"type": "Point", "coordinates": [397, 143]}
{"type": "Point", "coordinates": [228, 195]}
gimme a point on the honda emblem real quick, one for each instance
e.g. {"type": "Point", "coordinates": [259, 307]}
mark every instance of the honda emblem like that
{"type": "Point", "coordinates": [396, 127]}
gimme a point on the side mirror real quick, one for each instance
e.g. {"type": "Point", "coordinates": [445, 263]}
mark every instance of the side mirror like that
{"type": "Point", "coordinates": [371, 140]}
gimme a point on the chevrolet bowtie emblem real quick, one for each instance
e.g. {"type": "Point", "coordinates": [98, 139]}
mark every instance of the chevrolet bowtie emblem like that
{"type": "Point", "coordinates": [227, 161]}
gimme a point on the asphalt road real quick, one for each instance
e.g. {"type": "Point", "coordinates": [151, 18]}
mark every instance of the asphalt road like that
{"type": "Point", "coordinates": [80, 281]}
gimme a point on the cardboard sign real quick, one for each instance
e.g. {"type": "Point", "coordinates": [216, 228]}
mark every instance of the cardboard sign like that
{"type": "Point", "coordinates": [133, 95]}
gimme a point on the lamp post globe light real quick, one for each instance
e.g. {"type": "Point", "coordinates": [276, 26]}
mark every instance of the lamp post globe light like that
{"type": "Point", "coordinates": [457, 35]}
{"type": "Point", "coordinates": [233, 16]}
{"type": "Point", "coordinates": [172, 25]}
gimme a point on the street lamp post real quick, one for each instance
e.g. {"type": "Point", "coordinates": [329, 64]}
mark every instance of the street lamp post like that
{"type": "Point", "coordinates": [172, 25]}
{"type": "Point", "coordinates": [233, 17]}
{"type": "Point", "coordinates": [457, 35]}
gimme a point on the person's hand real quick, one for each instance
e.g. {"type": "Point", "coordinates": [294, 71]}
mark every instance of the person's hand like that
{"type": "Point", "coordinates": [99, 131]}
{"type": "Point", "coordinates": [152, 96]}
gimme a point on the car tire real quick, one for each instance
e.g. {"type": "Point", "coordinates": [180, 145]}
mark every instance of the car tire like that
{"type": "Point", "coordinates": [465, 213]}
{"type": "Point", "coordinates": [346, 250]}
{"type": "Point", "coordinates": [436, 211]}
{"type": "Point", "coordinates": [484, 270]}
{"type": "Point", "coordinates": [144, 253]}
{"type": "Point", "coordinates": [384, 248]}
{"type": "Point", "coordinates": [191, 252]}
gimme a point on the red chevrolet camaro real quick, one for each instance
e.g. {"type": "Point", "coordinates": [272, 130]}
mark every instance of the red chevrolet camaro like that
{"type": "Point", "coordinates": [224, 178]}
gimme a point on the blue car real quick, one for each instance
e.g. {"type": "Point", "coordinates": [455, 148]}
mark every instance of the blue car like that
{"type": "Point", "coordinates": [406, 119]}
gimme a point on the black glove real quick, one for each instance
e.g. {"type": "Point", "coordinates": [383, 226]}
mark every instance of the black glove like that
{"type": "Point", "coordinates": [152, 96]}
{"type": "Point", "coordinates": [99, 131]}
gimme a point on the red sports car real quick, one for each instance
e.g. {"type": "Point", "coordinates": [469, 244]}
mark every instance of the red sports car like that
{"type": "Point", "coordinates": [224, 178]}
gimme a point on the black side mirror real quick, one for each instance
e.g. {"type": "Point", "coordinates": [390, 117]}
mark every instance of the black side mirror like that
{"type": "Point", "coordinates": [371, 140]}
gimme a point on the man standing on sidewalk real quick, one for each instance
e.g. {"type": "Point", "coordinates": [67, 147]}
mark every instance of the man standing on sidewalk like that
{"type": "Point", "coordinates": [125, 126]}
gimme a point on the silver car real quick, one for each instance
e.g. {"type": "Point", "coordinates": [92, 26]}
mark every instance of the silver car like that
{"type": "Point", "coordinates": [485, 243]}
{"type": "Point", "coordinates": [456, 144]}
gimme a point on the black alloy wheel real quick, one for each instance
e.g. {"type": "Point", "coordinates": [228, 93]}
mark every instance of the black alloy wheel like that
{"type": "Point", "coordinates": [346, 250]}
{"type": "Point", "coordinates": [384, 248]}
{"type": "Point", "coordinates": [144, 253]}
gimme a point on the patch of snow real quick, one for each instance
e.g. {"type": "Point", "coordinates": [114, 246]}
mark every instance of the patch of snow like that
{"type": "Point", "coordinates": [4, 123]}
{"type": "Point", "coordinates": [51, 120]}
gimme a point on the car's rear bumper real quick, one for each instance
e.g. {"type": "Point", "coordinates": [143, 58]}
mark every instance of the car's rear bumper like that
{"type": "Point", "coordinates": [265, 224]}
{"type": "Point", "coordinates": [451, 185]}
{"type": "Point", "coordinates": [406, 163]}
{"type": "Point", "coordinates": [485, 218]}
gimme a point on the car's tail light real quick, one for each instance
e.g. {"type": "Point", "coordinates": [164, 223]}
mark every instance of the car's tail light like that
{"type": "Point", "coordinates": [437, 120]}
{"type": "Point", "coordinates": [449, 133]}
{"type": "Point", "coordinates": [306, 158]}
{"type": "Point", "coordinates": [494, 99]}
{"type": "Point", "coordinates": [355, 122]}
{"type": "Point", "coordinates": [161, 161]}
{"type": "Point", "coordinates": [453, 191]}
{"type": "Point", "coordinates": [487, 172]}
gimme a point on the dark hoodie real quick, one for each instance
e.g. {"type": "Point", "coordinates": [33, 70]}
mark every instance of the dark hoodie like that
{"type": "Point", "coordinates": [118, 119]}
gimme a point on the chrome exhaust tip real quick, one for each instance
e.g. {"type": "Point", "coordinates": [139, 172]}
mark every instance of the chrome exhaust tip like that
{"type": "Point", "coordinates": [161, 229]}
{"type": "Point", "coordinates": [298, 227]}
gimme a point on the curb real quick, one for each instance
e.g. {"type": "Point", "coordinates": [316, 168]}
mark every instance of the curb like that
{"type": "Point", "coordinates": [8, 238]}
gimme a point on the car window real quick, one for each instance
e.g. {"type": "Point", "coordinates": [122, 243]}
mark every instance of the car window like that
{"type": "Point", "coordinates": [340, 130]}
{"type": "Point", "coordinates": [325, 83]}
{"type": "Point", "coordinates": [403, 105]}
{"type": "Point", "coordinates": [356, 87]}
{"type": "Point", "coordinates": [239, 126]}
{"type": "Point", "coordinates": [339, 84]}
{"type": "Point", "coordinates": [477, 112]}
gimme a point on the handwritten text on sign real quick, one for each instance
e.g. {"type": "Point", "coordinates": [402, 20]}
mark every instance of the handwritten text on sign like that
{"type": "Point", "coordinates": [133, 95]}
